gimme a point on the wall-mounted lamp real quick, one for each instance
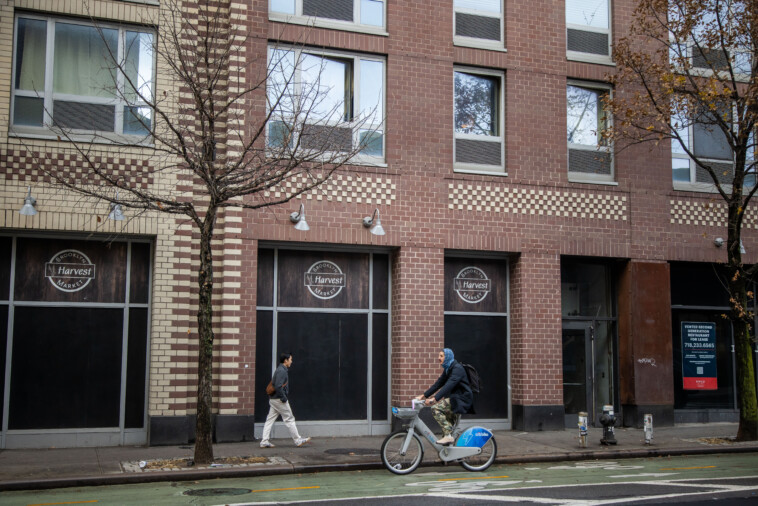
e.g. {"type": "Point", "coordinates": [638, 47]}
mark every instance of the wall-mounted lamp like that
{"type": "Point", "coordinates": [374, 219]}
{"type": "Point", "coordinates": [28, 208]}
{"type": "Point", "coordinates": [116, 214]}
{"type": "Point", "coordinates": [718, 242]}
{"type": "Point", "coordinates": [298, 218]}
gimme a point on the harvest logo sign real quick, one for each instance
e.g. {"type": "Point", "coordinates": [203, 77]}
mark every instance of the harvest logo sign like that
{"type": "Point", "coordinates": [472, 285]}
{"type": "Point", "coordinates": [70, 270]}
{"type": "Point", "coordinates": [699, 356]}
{"type": "Point", "coordinates": [324, 279]}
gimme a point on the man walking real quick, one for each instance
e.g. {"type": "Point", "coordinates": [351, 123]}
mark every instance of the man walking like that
{"type": "Point", "coordinates": [279, 404]}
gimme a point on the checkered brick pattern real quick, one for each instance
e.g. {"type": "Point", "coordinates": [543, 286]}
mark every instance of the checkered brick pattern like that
{"type": "Point", "coordinates": [22, 165]}
{"type": "Point", "coordinates": [502, 199]}
{"type": "Point", "coordinates": [344, 188]}
{"type": "Point", "coordinates": [705, 213]}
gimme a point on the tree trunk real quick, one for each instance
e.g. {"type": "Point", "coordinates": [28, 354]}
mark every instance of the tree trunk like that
{"type": "Point", "coordinates": [203, 427]}
{"type": "Point", "coordinates": [741, 324]}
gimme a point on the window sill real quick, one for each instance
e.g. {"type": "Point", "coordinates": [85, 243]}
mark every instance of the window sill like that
{"type": "Point", "coordinates": [481, 172]}
{"type": "Point", "coordinates": [590, 58]}
{"type": "Point", "coordinates": [89, 138]}
{"type": "Point", "coordinates": [588, 180]}
{"type": "Point", "coordinates": [695, 187]}
{"type": "Point", "coordinates": [477, 44]}
{"type": "Point", "coordinates": [329, 24]}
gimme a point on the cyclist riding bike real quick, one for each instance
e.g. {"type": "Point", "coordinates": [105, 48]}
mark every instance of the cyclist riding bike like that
{"type": "Point", "coordinates": [452, 395]}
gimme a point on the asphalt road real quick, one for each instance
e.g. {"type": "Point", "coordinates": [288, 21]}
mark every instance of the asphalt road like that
{"type": "Point", "coordinates": [728, 479]}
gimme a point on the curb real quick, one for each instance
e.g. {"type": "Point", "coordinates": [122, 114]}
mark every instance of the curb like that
{"type": "Point", "coordinates": [274, 470]}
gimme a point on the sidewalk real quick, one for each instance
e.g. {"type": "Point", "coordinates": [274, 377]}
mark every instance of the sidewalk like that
{"type": "Point", "coordinates": [55, 468]}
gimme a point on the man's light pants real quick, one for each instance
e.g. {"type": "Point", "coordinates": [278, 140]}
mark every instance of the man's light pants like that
{"type": "Point", "coordinates": [277, 407]}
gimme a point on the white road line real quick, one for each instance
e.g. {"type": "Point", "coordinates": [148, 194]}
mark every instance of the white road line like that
{"type": "Point", "coordinates": [668, 496]}
{"type": "Point", "coordinates": [512, 498]}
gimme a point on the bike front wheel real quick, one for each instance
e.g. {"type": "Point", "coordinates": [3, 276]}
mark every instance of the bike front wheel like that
{"type": "Point", "coordinates": [392, 458]}
{"type": "Point", "coordinates": [483, 460]}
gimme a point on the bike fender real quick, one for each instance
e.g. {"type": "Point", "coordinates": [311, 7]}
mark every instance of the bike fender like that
{"type": "Point", "coordinates": [474, 436]}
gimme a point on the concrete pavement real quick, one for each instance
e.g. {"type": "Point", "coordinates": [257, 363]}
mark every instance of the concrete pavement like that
{"type": "Point", "coordinates": [67, 467]}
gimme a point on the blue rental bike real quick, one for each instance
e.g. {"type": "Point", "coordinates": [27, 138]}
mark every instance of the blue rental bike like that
{"type": "Point", "coordinates": [402, 451]}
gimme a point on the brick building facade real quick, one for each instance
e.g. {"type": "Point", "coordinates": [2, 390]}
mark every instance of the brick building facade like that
{"type": "Point", "coordinates": [563, 272]}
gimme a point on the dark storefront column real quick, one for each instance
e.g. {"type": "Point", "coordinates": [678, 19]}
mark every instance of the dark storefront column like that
{"type": "Point", "coordinates": [645, 369]}
{"type": "Point", "coordinates": [536, 342]}
{"type": "Point", "coordinates": [418, 325]}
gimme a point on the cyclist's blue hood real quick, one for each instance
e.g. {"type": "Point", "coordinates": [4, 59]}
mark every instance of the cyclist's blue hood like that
{"type": "Point", "coordinates": [449, 357]}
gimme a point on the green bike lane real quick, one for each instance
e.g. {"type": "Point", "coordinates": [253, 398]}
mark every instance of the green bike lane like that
{"type": "Point", "coordinates": [380, 483]}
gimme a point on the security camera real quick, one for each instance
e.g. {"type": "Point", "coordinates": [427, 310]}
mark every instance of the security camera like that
{"type": "Point", "coordinates": [718, 242]}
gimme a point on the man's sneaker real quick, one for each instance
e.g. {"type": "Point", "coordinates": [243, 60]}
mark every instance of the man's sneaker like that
{"type": "Point", "coordinates": [446, 440]}
{"type": "Point", "coordinates": [266, 444]}
{"type": "Point", "coordinates": [301, 441]}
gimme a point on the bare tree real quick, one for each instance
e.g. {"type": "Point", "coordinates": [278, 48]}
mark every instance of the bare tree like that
{"type": "Point", "coordinates": [687, 73]}
{"type": "Point", "coordinates": [234, 126]}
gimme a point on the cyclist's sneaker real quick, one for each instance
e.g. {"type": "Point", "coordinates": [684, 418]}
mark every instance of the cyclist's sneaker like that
{"type": "Point", "coordinates": [301, 441]}
{"type": "Point", "coordinates": [446, 440]}
{"type": "Point", "coordinates": [266, 444]}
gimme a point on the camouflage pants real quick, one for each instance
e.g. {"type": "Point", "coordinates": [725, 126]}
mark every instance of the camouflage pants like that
{"type": "Point", "coordinates": [443, 413]}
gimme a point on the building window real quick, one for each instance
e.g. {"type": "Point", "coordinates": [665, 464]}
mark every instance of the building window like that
{"type": "Point", "coordinates": [362, 15]}
{"type": "Point", "coordinates": [589, 152]}
{"type": "Point", "coordinates": [316, 98]}
{"type": "Point", "coordinates": [478, 22]}
{"type": "Point", "coordinates": [65, 77]}
{"type": "Point", "coordinates": [588, 30]}
{"type": "Point", "coordinates": [709, 144]}
{"type": "Point", "coordinates": [478, 109]}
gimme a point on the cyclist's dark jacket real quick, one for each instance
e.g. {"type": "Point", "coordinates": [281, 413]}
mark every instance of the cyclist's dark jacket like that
{"type": "Point", "coordinates": [454, 384]}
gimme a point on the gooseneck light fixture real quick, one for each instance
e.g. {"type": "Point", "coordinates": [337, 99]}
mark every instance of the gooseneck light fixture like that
{"type": "Point", "coordinates": [28, 208]}
{"type": "Point", "coordinates": [116, 214]}
{"type": "Point", "coordinates": [298, 218]}
{"type": "Point", "coordinates": [374, 220]}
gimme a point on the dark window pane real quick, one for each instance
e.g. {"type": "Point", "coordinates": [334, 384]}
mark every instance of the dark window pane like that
{"type": "Point", "coordinates": [263, 362]}
{"type": "Point", "coordinates": [66, 370]}
{"type": "Point", "coordinates": [698, 284]}
{"type": "Point", "coordinates": [30, 54]}
{"type": "Point", "coordinates": [28, 111]}
{"type": "Point", "coordinates": [265, 277]}
{"type": "Point", "coordinates": [585, 289]}
{"type": "Point", "coordinates": [482, 341]}
{"type": "Point", "coordinates": [328, 375]}
{"type": "Point", "coordinates": [381, 282]}
{"type": "Point", "coordinates": [136, 363]}
{"type": "Point", "coordinates": [3, 346]}
{"type": "Point", "coordinates": [6, 249]}
{"type": "Point", "coordinates": [61, 270]}
{"type": "Point", "coordinates": [139, 282]}
{"type": "Point", "coordinates": [379, 378]}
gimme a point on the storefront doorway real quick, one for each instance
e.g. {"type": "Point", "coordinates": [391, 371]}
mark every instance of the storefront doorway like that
{"type": "Point", "coordinates": [589, 339]}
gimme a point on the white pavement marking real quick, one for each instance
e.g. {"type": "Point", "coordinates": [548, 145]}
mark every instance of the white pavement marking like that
{"type": "Point", "coordinates": [642, 475]}
{"type": "Point", "coordinates": [518, 499]}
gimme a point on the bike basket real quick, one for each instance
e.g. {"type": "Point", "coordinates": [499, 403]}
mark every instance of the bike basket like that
{"type": "Point", "coordinates": [404, 412]}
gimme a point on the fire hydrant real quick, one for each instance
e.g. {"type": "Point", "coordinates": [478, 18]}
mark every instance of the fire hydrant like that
{"type": "Point", "coordinates": [608, 420]}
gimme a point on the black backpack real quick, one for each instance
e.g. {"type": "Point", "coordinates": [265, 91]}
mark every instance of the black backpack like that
{"type": "Point", "coordinates": [473, 377]}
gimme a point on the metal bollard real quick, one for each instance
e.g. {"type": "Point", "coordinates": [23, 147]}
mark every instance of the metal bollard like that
{"type": "Point", "coordinates": [648, 425]}
{"type": "Point", "coordinates": [583, 429]}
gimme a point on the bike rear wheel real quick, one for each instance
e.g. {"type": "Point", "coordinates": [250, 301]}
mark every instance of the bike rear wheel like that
{"type": "Point", "coordinates": [394, 461]}
{"type": "Point", "coordinates": [483, 460]}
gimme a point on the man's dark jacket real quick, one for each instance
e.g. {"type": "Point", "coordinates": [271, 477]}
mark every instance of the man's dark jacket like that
{"type": "Point", "coordinates": [454, 384]}
{"type": "Point", "coordinates": [280, 382]}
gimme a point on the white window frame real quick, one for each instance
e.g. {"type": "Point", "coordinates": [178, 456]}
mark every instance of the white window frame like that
{"type": "Point", "coordinates": [496, 45]}
{"type": "Point", "coordinates": [589, 57]}
{"type": "Point", "coordinates": [356, 58]}
{"type": "Point", "coordinates": [472, 168]}
{"type": "Point", "coordinates": [48, 130]}
{"type": "Point", "coordinates": [581, 177]}
{"type": "Point", "coordinates": [693, 184]}
{"type": "Point", "coordinates": [355, 26]}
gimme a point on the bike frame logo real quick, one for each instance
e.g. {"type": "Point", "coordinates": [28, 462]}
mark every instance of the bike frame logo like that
{"type": "Point", "coordinates": [70, 270]}
{"type": "Point", "coordinates": [324, 279]}
{"type": "Point", "coordinates": [472, 285]}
